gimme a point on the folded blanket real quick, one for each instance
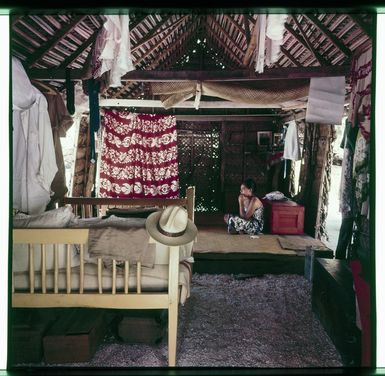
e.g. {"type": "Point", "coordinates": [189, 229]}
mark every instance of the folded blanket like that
{"type": "Point", "coordinates": [121, 244]}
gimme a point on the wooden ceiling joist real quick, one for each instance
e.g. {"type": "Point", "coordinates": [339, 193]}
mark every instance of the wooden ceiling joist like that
{"type": "Point", "coordinates": [247, 28]}
{"type": "Point", "coordinates": [290, 57]}
{"type": "Point", "coordinates": [219, 75]}
{"type": "Point", "coordinates": [329, 34]}
{"type": "Point", "coordinates": [156, 31]}
{"type": "Point", "coordinates": [251, 46]}
{"type": "Point", "coordinates": [160, 56]}
{"type": "Point", "coordinates": [186, 104]}
{"type": "Point", "coordinates": [79, 51]}
{"type": "Point", "coordinates": [229, 52]}
{"type": "Point", "coordinates": [303, 39]}
{"type": "Point", "coordinates": [45, 48]}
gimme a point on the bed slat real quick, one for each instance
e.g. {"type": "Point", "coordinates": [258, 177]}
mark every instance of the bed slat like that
{"type": "Point", "coordinates": [113, 290]}
{"type": "Point", "coordinates": [56, 268]}
{"type": "Point", "coordinates": [100, 276]}
{"type": "Point", "coordinates": [139, 277]}
{"type": "Point", "coordinates": [68, 274]}
{"type": "Point", "coordinates": [43, 269]}
{"type": "Point", "coordinates": [126, 275]}
{"type": "Point", "coordinates": [81, 272]}
{"type": "Point", "coordinates": [31, 269]}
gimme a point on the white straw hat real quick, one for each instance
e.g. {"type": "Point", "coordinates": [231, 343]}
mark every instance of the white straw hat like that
{"type": "Point", "coordinates": [171, 226]}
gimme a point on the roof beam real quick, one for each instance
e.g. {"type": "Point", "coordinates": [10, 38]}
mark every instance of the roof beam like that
{"type": "Point", "coordinates": [304, 41]}
{"type": "Point", "coordinates": [79, 51]}
{"type": "Point", "coordinates": [214, 22]}
{"type": "Point", "coordinates": [60, 34]}
{"type": "Point", "coordinates": [186, 104]}
{"type": "Point", "coordinates": [188, 31]}
{"type": "Point", "coordinates": [290, 56]}
{"type": "Point", "coordinates": [156, 31]}
{"type": "Point", "coordinates": [315, 21]}
{"type": "Point", "coordinates": [247, 28]}
{"type": "Point", "coordinates": [219, 75]}
{"type": "Point", "coordinates": [251, 46]}
{"type": "Point", "coordinates": [367, 29]}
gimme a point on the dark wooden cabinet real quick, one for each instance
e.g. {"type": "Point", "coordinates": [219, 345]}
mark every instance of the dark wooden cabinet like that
{"type": "Point", "coordinates": [333, 301]}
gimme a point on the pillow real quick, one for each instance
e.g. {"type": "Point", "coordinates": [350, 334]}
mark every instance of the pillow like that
{"type": "Point", "coordinates": [54, 218]}
{"type": "Point", "coordinates": [138, 212]}
{"type": "Point", "coordinates": [275, 195]}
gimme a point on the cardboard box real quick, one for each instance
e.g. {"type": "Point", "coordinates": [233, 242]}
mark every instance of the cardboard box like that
{"type": "Point", "coordinates": [75, 336]}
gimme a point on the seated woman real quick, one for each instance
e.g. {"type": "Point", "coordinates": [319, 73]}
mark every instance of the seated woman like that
{"type": "Point", "coordinates": [250, 218]}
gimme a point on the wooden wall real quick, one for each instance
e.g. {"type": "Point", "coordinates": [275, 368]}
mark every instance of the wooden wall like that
{"type": "Point", "coordinates": [239, 158]}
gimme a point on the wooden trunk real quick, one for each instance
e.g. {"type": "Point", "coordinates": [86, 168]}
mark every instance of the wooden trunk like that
{"type": "Point", "coordinates": [333, 301]}
{"type": "Point", "coordinates": [146, 328]}
{"type": "Point", "coordinates": [74, 337]}
{"type": "Point", "coordinates": [283, 217]}
{"type": "Point", "coordinates": [28, 329]}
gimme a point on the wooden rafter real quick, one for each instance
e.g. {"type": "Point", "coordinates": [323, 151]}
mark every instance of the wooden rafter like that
{"type": "Point", "coordinates": [224, 31]}
{"type": "Point", "coordinates": [79, 51]}
{"type": "Point", "coordinates": [304, 41]}
{"type": "Point", "coordinates": [251, 46]}
{"type": "Point", "coordinates": [367, 29]}
{"type": "Point", "coordinates": [176, 54]}
{"type": "Point", "coordinates": [290, 57]}
{"type": "Point", "coordinates": [45, 48]}
{"type": "Point", "coordinates": [315, 21]}
{"type": "Point", "coordinates": [247, 28]}
{"type": "Point", "coordinates": [161, 55]}
{"type": "Point", "coordinates": [235, 24]}
{"type": "Point", "coordinates": [157, 29]}
{"type": "Point", "coordinates": [156, 46]}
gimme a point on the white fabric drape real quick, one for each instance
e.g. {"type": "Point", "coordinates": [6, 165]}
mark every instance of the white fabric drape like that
{"type": "Point", "coordinates": [113, 49]}
{"type": "Point", "coordinates": [275, 28]}
{"type": "Point", "coordinates": [34, 162]}
{"type": "Point", "coordinates": [269, 29]}
{"type": "Point", "coordinates": [291, 149]}
{"type": "Point", "coordinates": [326, 100]}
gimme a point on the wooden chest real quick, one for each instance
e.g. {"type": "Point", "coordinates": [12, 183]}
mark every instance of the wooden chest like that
{"type": "Point", "coordinates": [27, 331]}
{"type": "Point", "coordinates": [283, 217]}
{"type": "Point", "coordinates": [75, 336]}
{"type": "Point", "coordinates": [143, 327]}
{"type": "Point", "coordinates": [333, 301]}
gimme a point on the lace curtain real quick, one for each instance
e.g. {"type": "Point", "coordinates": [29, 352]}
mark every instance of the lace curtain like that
{"type": "Point", "coordinates": [139, 156]}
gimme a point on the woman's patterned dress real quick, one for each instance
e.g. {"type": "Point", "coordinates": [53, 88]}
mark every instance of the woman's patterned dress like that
{"type": "Point", "coordinates": [251, 226]}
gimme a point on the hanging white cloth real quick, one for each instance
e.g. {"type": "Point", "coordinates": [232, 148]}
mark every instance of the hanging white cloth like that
{"type": "Point", "coordinates": [34, 162]}
{"type": "Point", "coordinates": [326, 100]}
{"type": "Point", "coordinates": [260, 51]}
{"type": "Point", "coordinates": [275, 28]}
{"type": "Point", "coordinates": [291, 149]}
{"type": "Point", "coordinates": [113, 49]}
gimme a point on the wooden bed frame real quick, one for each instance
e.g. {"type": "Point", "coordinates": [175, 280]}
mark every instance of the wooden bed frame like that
{"type": "Point", "coordinates": [114, 299]}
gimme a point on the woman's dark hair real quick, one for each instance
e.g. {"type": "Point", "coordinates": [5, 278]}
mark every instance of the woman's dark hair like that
{"type": "Point", "coordinates": [250, 184]}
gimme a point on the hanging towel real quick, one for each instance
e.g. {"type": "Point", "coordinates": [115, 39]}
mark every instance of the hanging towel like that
{"type": "Point", "coordinates": [291, 149]}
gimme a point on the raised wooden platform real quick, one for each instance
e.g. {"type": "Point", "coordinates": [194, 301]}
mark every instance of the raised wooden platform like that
{"type": "Point", "coordinates": [216, 251]}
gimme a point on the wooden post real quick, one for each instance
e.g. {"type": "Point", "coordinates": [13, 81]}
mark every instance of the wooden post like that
{"type": "Point", "coordinates": [173, 283]}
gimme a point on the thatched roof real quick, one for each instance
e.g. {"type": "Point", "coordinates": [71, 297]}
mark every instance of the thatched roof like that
{"type": "Point", "coordinates": [182, 45]}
